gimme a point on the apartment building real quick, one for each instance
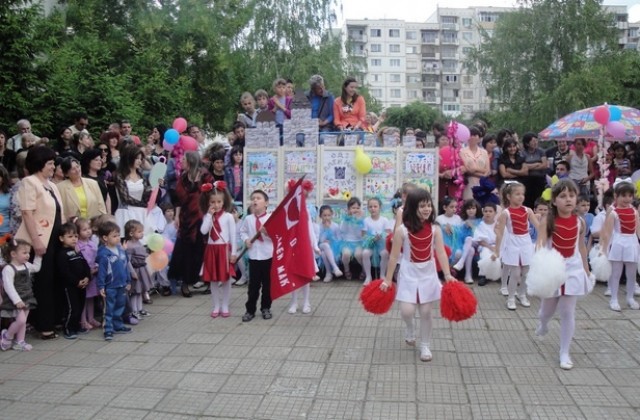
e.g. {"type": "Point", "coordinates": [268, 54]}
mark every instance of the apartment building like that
{"type": "Point", "coordinates": [401, 62]}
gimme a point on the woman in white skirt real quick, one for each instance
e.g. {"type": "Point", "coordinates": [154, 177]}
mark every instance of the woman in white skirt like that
{"type": "Point", "coordinates": [132, 188]}
{"type": "Point", "coordinates": [418, 283]}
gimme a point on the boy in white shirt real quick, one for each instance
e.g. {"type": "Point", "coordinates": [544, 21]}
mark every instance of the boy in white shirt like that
{"type": "Point", "coordinates": [485, 235]}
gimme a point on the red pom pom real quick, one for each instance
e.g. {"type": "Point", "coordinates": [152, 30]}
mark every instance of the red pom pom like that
{"type": "Point", "coordinates": [375, 300]}
{"type": "Point", "coordinates": [448, 251]}
{"type": "Point", "coordinates": [457, 302]}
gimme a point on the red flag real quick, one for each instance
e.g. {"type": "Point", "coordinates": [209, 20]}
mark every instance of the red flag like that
{"type": "Point", "coordinates": [292, 265]}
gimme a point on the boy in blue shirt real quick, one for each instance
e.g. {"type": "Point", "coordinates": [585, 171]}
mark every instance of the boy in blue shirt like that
{"type": "Point", "coordinates": [114, 278]}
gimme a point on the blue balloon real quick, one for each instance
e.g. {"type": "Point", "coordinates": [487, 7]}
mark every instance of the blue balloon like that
{"type": "Point", "coordinates": [172, 136]}
{"type": "Point", "coordinates": [614, 113]}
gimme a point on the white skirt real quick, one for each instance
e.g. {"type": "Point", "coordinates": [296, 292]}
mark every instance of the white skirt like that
{"type": "Point", "coordinates": [516, 249]}
{"type": "Point", "coordinates": [577, 283]}
{"type": "Point", "coordinates": [624, 247]}
{"type": "Point", "coordinates": [131, 213]}
{"type": "Point", "coordinates": [418, 282]}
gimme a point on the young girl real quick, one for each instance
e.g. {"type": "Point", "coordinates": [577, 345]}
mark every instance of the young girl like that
{"type": "Point", "coordinates": [89, 250]}
{"type": "Point", "coordinates": [17, 294]}
{"type": "Point", "coordinates": [220, 253]}
{"type": "Point", "coordinates": [619, 241]}
{"type": "Point", "coordinates": [329, 243]}
{"type": "Point", "coordinates": [469, 214]}
{"type": "Point", "coordinates": [485, 237]}
{"type": "Point", "coordinates": [375, 230]}
{"type": "Point", "coordinates": [233, 174]}
{"type": "Point", "coordinates": [351, 232]}
{"type": "Point", "coordinates": [514, 244]}
{"type": "Point", "coordinates": [134, 232]}
{"type": "Point", "coordinates": [418, 283]}
{"type": "Point", "coordinates": [564, 231]}
{"type": "Point", "coordinates": [450, 221]}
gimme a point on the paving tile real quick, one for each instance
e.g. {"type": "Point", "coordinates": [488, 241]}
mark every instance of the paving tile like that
{"type": "Point", "coordinates": [546, 411]}
{"type": "Point", "coordinates": [277, 407]}
{"type": "Point", "coordinates": [78, 375]}
{"type": "Point", "coordinates": [439, 393]}
{"type": "Point", "coordinates": [216, 365]}
{"type": "Point", "coordinates": [444, 411]}
{"type": "Point", "coordinates": [233, 406]}
{"type": "Point", "coordinates": [183, 401]}
{"type": "Point", "coordinates": [389, 410]}
{"type": "Point", "coordinates": [597, 396]}
{"type": "Point", "coordinates": [258, 367]}
{"type": "Point", "coordinates": [138, 397]}
{"type": "Point", "coordinates": [498, 395]}
{"type": "Point", "coordinates": [599, 413]}
{"type": "Point", "coordinates": [110, 413]}
{"type": "Point", "coordinates": [49, 393]}
{"type": "Point", "coordinates": [203, 382]}
{"type": "Point", "coordinates": [302, 370]}
{"type": "Point", "coordinates": [25, 410]}
{"type": "Point", "coordinates": [94, 395]}
{"type": "Point", "coordinates": [294, 387]}
{"type": "Point", "coordinates": [544, 394]}
{"type": "Point", "coordinates": [486, 375]}
{"type": "Point", "coordinates": [336, 409]}
{"type": "Point", "coordinates": [248, 384]}
{"type": "Point", "coordinates": [75, 412]}
{"type": "Point", "coordinates": [499, 412]}
{"type": "Point", "coordinates": [177, 363]}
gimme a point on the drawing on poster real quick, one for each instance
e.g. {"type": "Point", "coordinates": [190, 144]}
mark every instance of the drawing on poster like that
{"type": "Point", "coordinates": [262, 163]}
{"type": "Point", "coordinates": [338, 175]}
{"type": "Point", "coordinates": [420, 163]}
{"type": "Point", "coordinates": [379, 186]}
{"type": "Point", "coordinates": [382, 162]}
{"type": "Point", "coordinates": [266, 183]}
{"type": "Point", "coordinates": [303, 162]}
{"type": "Point", "coordinates": [426, 183]}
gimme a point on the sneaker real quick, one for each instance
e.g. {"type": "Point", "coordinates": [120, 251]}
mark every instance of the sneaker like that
{"type": "Point", "coordinates": [136, 315]}
{"type": "Point", "coordinates": [337, 273]}
{"type": "Point", "coordinates": [123, 330]}
{"type": "Point", "coordinates": [83, 331]}
{"type": "Point", "coordinates": [504, 291]}
{"type": "Point", "coordinates": [523, 300]}
{"type": "Point", "coordinates": [266, 314]}
{"type": "Point", "coordinates": [70, 335]}
{"type": "Point", "coordinates": [608, 291]}
{"type": "Point", "coordinates": [327, 278]}
{"type": "Point", "coordinates": [511, 303]}
{"type": "Point", "coordinates": [633, 304]}
{"type": "Point", "coordinates": [240, 282]}
{"type": "Point", "coordinates": [5, 342]}
{"type": "Point", "coordinates": [482, 281]}
{"type": "Point", "coordinates": [143, 313]}
{"type": "Point", "coordinates": [248, 317]}
{"type": "Point", "coordinates": [198, 285]}
{"type": "Point", "coordinates": [425, 353]}
{"type": "Point", "coordinates": [615, 306]}
{"type": "Point", "coordinates": [131, 320]}
{"type": "Point", "coordinates": [108, 336]}
{"type": "Point", "coordinates": [22, 346]}
{"type": "Point", "coordinates": [292, 309]}
{"type": "Point", "coordinates": [468, 281]}
{"type": "Point", "coordinates": [306, 309]}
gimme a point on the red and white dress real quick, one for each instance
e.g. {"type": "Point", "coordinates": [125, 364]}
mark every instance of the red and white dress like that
{"type": "Point", "coordinates": [418, 280]}
{"type": "Point", "coordinates": [516, 247]}
{"type": "Point", "coordinates": [566, 240]}
{"type": "Point", "coordinates": [624, 243]}
{"type": "Point", "coordinates": [221, 244]}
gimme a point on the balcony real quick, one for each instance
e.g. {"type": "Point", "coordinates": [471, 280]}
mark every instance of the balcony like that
{"type": "Point", "coordinates": [432, 100]}
{"type": "Point", "coordinates": [431, 70]}
{"type": "Point", "coordinates": [431, 41]}
{"type": "Point", "coordinates": [430, 84]}
{"type": "Point", "coordinates": [622, 25]}
{"type": "Point", "coordinates": [450, 41]}
{"type": "Point", "coordinates": [450, 26]}
{"type": "Point", "coordinates": [431, 55]}
{"type": "Point", "coordinates": [358, 38]}
{"type": "Point", "coordinates": [452, 57]}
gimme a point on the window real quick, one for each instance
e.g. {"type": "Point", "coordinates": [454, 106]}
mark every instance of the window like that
{"type": "Point", "coordinates": [451, 107]}
{"type": "Point", "coordinates": [412, 50]}
{"type": "Point", "coordinates": [449, 19]}
{"type": "Point", "coordinates": [412, 35]}
{"type": "Point", "coordinates": [377, 93]}
{"type": "Point", "coordinates": [376, 33]}
{"type": "Point", "coordinates": [394, 78]}
{"type": "Point", "coordinates": [451, 78]}
{"type": "Point", "coordinates": [467, 108]}
{"type": "Point", "coordinates": [395, 93]}
{"type": "Point", "coordinates": [374, 77]}
{"type": "Point", "coordinates": [467, 50]}
{"type": "Point", "coordinates": [376, 62]}
{"type": "Point", "coordinates": [467, 36]}
{"type": "Point", "coordinates": [467, 80]}
{"type": "Point", "coordinates": [413, 94]}
{"type": "Point", "coordinates": [394, 48]}
{"type": "Point", "coordinates": [467, 94]}
{"type": "Point", "coordinates": [489, 16]}
{"type": "Point", "coordinates": [429, 37]}
{"type": "Point", "coordinates": [413, 79]}
{"type": "Point", "coordinates": [449, 65]}
{"type": "Point", "coordinates": [376, 48]}
{"type": "Point", "coordinates": [394, 33]}
{"type": "Point", "coordinates": [412, 65]}
{"type": "Point", "coordinates": [394, 62]}
{"type": "Point", "coordinates": [466, 22]}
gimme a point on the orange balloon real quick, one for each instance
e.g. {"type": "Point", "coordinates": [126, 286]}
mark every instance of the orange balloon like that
{"type": "Point", "coordinates": [158, 260]}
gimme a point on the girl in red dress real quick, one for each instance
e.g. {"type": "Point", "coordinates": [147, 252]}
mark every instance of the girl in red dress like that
{"type": "Point", "coordinates": [219, 227]}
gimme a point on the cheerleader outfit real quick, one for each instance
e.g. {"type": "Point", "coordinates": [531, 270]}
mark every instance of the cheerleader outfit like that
{"type": "Point", "coordinates": [624, 243]}
{"type": "Point", "coordinates": [516, 248]}
{"type": "Point", "coordinates": [566, 240]}
{"type": "Point", "coordinates": [418, 280]}
{"type": "Point", "coordinates": [221, 244]}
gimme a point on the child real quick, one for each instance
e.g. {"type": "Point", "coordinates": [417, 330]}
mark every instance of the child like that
{"type": "Point", "coordinates": [262, 100]}
{"type": "Point", "coordinates": [75, 274]}
{"type": "Point", "coordinates": [114, 279]}
{"type": "Point", "coordinates": [240, 262]}
{"type": "Point", "coordinates": [469, 214]}
{"type": "Point", "coordinates": [418, 283]}
{"type": "Point", "coordinates": [169, 233]}
{"type": "Point", "coordinates": [233, 176]}
{"type": "Point", "coordinates": [248, 117]}
{"type": "Point", "coordinates": [260, 252]}
{"type": "Point", "coordinates": [517, 249]}
{"type": "Point", "coordinates": [485, 236]}
{"type": "Point", "coordinates": [621, 164]}
{"type": "Point", "coordinates": [449, 221]}
{"type": "Point", "coordinates": [351, 233]}
{"type": "Point", "coordinates": [220, 253]}
{"type": "Point", "coordinates": [217, 166]}
{"type": "Point", "coordinates": [619, 241]}
{"type": "Point", "coordinates": [402, 195]}
{"type": "Point", "coordinates": [582, 209]}
{"type": "Point", "coordinates": [329, 243]}
{"type": "Point", "coordinates": [137, 253]}
{"type": "Point", "coordinates": [564, 231]}
{"type": "Point", "coordinates": [540, 209]}
{"type": "Point", "coordinates": [375, 229]}
{"type": "Point", "coordinates": [280, 103]}
{"type": "Point", "coordinates": [88, 249]}
{"type": "Point", "coordinates": [17, 294]}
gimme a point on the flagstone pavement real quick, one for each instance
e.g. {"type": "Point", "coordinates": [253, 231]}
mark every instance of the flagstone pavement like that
{"type": "Point", "coordinates": [336, 363]}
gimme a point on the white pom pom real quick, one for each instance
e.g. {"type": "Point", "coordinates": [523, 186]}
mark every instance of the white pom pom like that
{"type": "Point", "coordinates": [547, 272]}
{"type": "Point", "coordinates": [601, 268]}
{"type": "Point", "coordinates": [593, 253]}
{"type": "Point", "coordinates": [491, 269]}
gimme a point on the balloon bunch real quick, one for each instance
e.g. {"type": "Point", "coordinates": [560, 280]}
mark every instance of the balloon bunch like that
{"type": "Point", "coordinates": [173, 137]}
{"type": "Point", "coordinates": [609, 117]}
{"type": "Point", "coordinates": [160, 248]}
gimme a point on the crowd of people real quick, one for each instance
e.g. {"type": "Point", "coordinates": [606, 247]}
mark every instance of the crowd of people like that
{"type": "Point", "coordinates": [85, 206]}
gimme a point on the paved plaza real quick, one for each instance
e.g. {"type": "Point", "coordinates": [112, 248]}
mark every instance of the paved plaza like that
{"type": "Point", "coordinates": [336, 363]}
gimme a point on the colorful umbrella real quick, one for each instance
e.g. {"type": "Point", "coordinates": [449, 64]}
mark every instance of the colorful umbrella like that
{"type": "Point", "coordinates": [583, 124]}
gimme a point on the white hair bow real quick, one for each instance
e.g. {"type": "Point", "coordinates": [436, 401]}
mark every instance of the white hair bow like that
{"type": "Point", "coordinates": [619, 181]}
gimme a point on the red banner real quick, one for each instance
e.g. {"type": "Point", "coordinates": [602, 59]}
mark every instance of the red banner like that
{"type": "Point", "coordinates": [292, 265]}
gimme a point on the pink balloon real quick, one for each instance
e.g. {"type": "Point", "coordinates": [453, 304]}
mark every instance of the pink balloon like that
{"type": "Point", "coordinates": [168, 246]}
{"type": "Point", "coordinates": [445, 158]}
{"type": "Point", "coordinates": [188, 143]}
{"type": "Point", "coordinates": [602, 115]}
{"type": "Point", "coordinates": [616, 129]}
{"type": "Point", "coordinates": [167, 146]}
{"type": "Point", "coordinates": [463, 133]}
{"type": "Point", "coordinates": [180, 125]}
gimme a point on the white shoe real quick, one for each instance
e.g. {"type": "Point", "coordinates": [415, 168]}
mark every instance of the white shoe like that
{"type": "Point", "coordinates": [306, 309]}
{"type": "Point", "coordinates": [315, 278]}
{"type": "Point", "coordinates": [615, 306]}
{"type": "Point", "coordinates": [633, 304]}
{"type": "Point", "coordinates": [425, 353]}
{"type": "Point", "coordinates": [337, 273]}
{"type": "Point", "coordinates": [566, 363]}
{"type": "Point", "coordinates": [241, 282]}
{"type": "Point", "coordinates": [458, 266]}
{"type": "Point", "coordinates": [511, 303]}
{"type": "Point", "coordinates": [542, 330]}
{"type": "Point", "coordinates": [198, 285]}
{"type": "Point", "coordinates": [504, 291]}
{"type": "Point", "coordinates": [327, 278]}
{"type": "Point", "coordinates": [293, 309]}
{"type": "Point", "coordinates": [409, 337]}
{"type": "Point", "coordinates": [523, 300]}
{"type": "Point", "coordinates": [468, 281]}
{"type": "Point", "coordinates": [608, 291]}
{"type": "Point", "coordinates": [366, 281]}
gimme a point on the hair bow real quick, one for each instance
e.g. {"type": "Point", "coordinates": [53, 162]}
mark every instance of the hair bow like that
{"type": "Point", "coordinates": [220, 185]}
{"type": "Point", "coordinates": [206, 187]}
{"type": "Point", "coordinates": [619, 181]}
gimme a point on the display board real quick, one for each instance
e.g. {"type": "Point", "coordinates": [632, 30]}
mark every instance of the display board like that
{"type": "Point", "coordinates": [299, 162]}
{"type": "Point", "coordinates": [420, 167]}
{"type": "Point", "coordinates": [261, 173]}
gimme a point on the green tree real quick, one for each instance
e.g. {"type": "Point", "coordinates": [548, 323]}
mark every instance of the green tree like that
{"type": "Point", "coordinates": [414, 115]}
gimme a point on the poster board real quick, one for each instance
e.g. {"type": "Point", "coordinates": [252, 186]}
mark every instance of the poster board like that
{"type": "Point", "coordinates": [261, 173]}
{"type": "Point", "coordinates": [338, 176]}
{"type": "Point", "coordinates": [301, 162]}
{"type": "Point", "coordinates": [420, 167]}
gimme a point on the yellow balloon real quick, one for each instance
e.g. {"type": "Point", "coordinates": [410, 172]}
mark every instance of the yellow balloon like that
{"type": "Point", "coordinates": [554, 180]}
{"type": "Point", "coordinates": [362, 162]}
{"type": "Point", "coordinates": [155, 242]}
{"type": "Point", "coordinates": [546, 194]}
{"type": "Point", "coordinates": [637, 190]}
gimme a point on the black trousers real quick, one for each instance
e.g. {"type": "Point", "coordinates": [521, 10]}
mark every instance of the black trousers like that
{"type": "Point", "coordinates": [74, 305]}
{"type": "Point", "coordinates": [259, 277]}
